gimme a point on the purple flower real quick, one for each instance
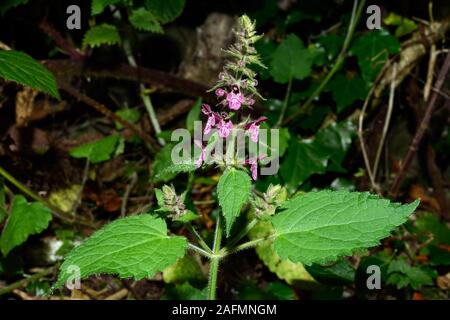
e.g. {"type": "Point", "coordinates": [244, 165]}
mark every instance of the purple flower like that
{"type": "Point", "coordinates": [201, 159]}
{"type": "Point", "coordinates": [250, 101]}
{"type": "Point", "coordinates": [253, 162]}
{"type": "Point", "coordinates": [235, 100]}
{"type": "Point", "coordinates": [224, 128]}
{"type": "Point", "coordinates": [212, 118]}
{"type": "Point", "coordinates": [220, 92]}
{"type": "Point", "coordinates": [209, 123]}
{"type": "Point", "coordinates": [253, 128]}
{"type": "Point", "coordinates": [206, 109]}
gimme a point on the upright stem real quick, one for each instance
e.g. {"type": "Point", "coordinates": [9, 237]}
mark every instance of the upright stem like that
{"type": "Point", "coordinates": [215, 259]}
{"type": "Point", "coordinates": [285, 103]}
{"type": "Point", "coordinates": [242, 233]}
{"type": "Point", "coordinates": [356, 13]}
{"type": "Point", "coordinates": [144, 95]}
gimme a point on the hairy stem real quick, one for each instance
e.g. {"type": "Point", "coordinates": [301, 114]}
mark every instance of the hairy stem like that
{"type": "Point", "coordinates": [199, 238]}
{"type": "Point", "coordinates": [242, 233]}
{"type": "Point", "coordinates": [215, 259]}
{"type": "Point", "coordinates": [199, 250]}
{"type": "Point", "coordinates": [246, 245]}
{"type": "Point", "coordinates": [356, 13]}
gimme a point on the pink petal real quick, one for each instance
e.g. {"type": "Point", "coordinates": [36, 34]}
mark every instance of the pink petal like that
{"type": "Point", "coordinates": [254, 170]}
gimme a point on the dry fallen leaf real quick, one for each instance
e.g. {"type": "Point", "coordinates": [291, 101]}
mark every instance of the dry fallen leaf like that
{"type": "Point", "coordinates": [24, 105]}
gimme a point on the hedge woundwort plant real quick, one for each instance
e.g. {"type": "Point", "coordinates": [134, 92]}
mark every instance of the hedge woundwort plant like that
{"type": "Point", "coordinates": [316, 227]}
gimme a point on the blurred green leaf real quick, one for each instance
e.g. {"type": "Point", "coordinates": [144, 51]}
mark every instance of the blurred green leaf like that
{"type": "Point", "coordinates": [101, 34]}
{"type": "Point", "coordinates": [347, 90]}
{"type": "Point", "coordinates": [332, 44]}
{"type": "Point", "coordinates": [291, 60]}
{"type": "Point", "coordinates": [131, 115]}
{"type": "Point", "coordinates": [143, 19]}
{"type": "Point", "coordinates": [165, 10]}
{"type": "Point", "coordinates": [430, 223]}
{"type": "Point", "coordinates": [339, 273]}
{"type": "Point", "coordinates": [8, 4]}
{"type": "Point", "coordinates": [186, 269]}
{"type": "Point", "coordinates": [373, 50]}
{"type": "Point", "coordinates": [315, 156]}
{"type": "Point", "coordinates": [194, 114]}
{"type": "Point", "coordinates": [99, 5]}
{"type": "Point", "coordinates": [184, 292]}
{"type": "Point", "coordinates": [402, 274]}
{"type": "Point", "coordinates": [303, 159]}
{"type": "Point", "coordinates": [97, 151]}
{"type": "Point", "coordinates": [404, 25]}
{"type": "Point", "coordinates": [26, 219]}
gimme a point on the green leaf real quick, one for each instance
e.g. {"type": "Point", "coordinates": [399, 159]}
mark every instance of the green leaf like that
{"type": "Point", "coordinates": [430, 223]}
{"type": "Point", "coordinates": [187, 269]}
{"type": "Point", "coordinates": [21, 68]}
{"type": "Point", "coordinates": [339, 273]}
{"type": "Point", "coordinates": [404, 25]}
{"type": "Point", "coordinates": [165, 10]}
{"type": "Point", "coordinates": [332, 44]}
{"type": "Point", "coordinates": [97, 151]}
{"type": "Point", "coordinates": [99, 5]}
{"type": "Point", "coordinates": [163, 168]}
{"type": "Point", "coordinates": [184, 292]}
{"type": "Point", "coordinates": [193, 115]}
{"type": "Point", "coordinates": [133, 247]}
{"type": "Point", "coordinates": [372, 50]}
{"type": "Point", "coordinates": [284, 269]}
{"type": "Point", "coordinates": [324, 153]}
{"type": "Point", "coordinates": [302, 160]}
{"type": "Point", "coordinates": [346, 91]}
{"type": "Point", "coordinates": [131, 115]}
{"type": "Point", "coordinates": [291, 60]}
{"type": "Point", "coordinates": [319, 227]}
{"type": "Point", "coordinates": [233, 191]}
{"type": "Point", "coordinates": [8, 4]}
{"type": "Point", "coordinates": [335, 140]}
{"type": "Point", "coordinates": [143, 19]}
{"type": "Point", "coordinates": [26, 219]}
{"type": "Point", "coordinates": [402, 275]}
{"type": "Point", "coordinates": [174, 169]}
{"type": "Point", "coordinates": [101, 34]}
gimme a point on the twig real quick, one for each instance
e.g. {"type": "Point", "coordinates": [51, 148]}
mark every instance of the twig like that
{"type": "Point", "coordinates": [83, 183]}
{"type": "Point", "coordinates": [144, 95]}
{"type": "Point", "coordinates": [356, 13]}
{"type": "Point", "coordinates": [386, 122]}
{"type": "Point", "coordinates": [156, 78]}
{"type": "Point", "coordinates": [362, 141]}
{"type": "Point", "coordinates": [130, 186]}
{"type": "Point", "coordinates": [430, 73]}
{"type": "Point", "coordinates": [61, 42]}
{"type": "Point", "coordinates": [422, 128]}
{"type": "Point", "coordinates": [150, 142]}
{"type": "Point", "coordinates": [25, 281]}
